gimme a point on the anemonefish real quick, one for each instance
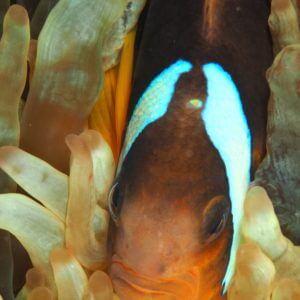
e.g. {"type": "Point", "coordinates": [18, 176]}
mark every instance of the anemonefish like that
{"type": "Point", "coordinates": [194, 138]}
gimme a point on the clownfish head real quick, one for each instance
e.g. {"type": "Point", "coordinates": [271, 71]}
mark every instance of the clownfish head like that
{"type": "Point", "coordinates": [178, 197]}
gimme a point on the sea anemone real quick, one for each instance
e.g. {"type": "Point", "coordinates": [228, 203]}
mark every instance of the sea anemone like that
{"type": "Point", "coordinates": [66, 236]}
{"type": "Point", "coordinates": [64, 229]}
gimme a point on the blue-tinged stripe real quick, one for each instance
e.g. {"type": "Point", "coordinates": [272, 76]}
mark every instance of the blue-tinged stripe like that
{"type": "Point", "coordinates": [154, 102]}
{"type": "Point", "coordinates": [227, 128]}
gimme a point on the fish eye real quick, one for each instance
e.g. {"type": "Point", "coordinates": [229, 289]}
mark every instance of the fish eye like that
{"type": "Point", "coordinates": [215, 218]}
{"type": "Point", "coordinates": [115, 199]}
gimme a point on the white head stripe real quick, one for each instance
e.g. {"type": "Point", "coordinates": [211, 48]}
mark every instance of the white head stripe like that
{"type": "Point", "coordinates": [227, 128]}
{"type": "Point", "coordinates": [154, 102]}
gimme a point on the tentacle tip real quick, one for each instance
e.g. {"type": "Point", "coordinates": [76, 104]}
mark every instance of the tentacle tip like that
{"type": "Point", "coordinates": [18, 14]}
{"type": "Point", "coordinates": [41, 293]}
{"type": "Point", "coordinates": [71, 140]}
{"type": "Point", "coordinates": [35, 278]}
{"type": "Point", "coordinates": [100, 284]}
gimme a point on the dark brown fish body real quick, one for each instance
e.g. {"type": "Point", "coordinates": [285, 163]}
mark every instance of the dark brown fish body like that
{"type": "Point", "coordinates": [174, 227]}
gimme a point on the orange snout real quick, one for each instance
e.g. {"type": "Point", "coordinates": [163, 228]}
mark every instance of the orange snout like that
{"type": "Point", "coordinates": [158, 254]}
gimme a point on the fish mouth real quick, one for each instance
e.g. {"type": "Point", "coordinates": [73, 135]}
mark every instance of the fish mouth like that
{"type": "Point", "coordinates": [130, 284]}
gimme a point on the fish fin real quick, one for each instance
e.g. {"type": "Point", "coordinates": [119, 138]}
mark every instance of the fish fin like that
{"type": "Point", "coordinates": [110, 112]}
{"type": "Point", "coordinates": [101, 118]}
{"type": "Point", "coordinates": [124, 87]}
{"type": "Point", "coordinates": [211, 16]}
